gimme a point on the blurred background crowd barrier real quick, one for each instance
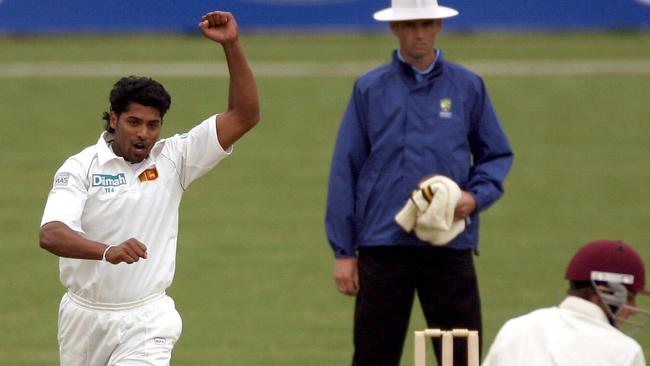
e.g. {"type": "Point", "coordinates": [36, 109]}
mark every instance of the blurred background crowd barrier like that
{"type": "Point", "coordinates": [99, 16]}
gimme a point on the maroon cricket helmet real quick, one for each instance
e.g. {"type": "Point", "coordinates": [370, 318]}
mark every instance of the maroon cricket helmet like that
{"type": "Point", "coordinates": [611, 257]}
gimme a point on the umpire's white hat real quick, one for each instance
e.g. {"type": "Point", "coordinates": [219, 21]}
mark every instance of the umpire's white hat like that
{"type": "Point", "coordinates": [414, 9]}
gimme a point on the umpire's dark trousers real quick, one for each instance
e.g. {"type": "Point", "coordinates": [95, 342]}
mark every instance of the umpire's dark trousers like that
{"type": "Point", "coordinates": [389, 277]}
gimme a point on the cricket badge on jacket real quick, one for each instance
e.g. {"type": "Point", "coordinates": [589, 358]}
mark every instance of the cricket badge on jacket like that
{"type": "Point", "coordinates": [445, 108]}
{"type": "Point", "coordinates": [148, 175]}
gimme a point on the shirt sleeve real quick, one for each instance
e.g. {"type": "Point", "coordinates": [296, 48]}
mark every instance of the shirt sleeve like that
{"type": "Point", "coordinates": [491, 152]}
{"type": "Point", "coordinates": [638, 359]}
{"type": "Point", "coordinates": [197, 151]}
{"type": "Point", "coordinates": [503, 352]}
{"type": "Point", "coordinates": [350, 153]}
{"type": "Point", "coordinates": [68, 196]}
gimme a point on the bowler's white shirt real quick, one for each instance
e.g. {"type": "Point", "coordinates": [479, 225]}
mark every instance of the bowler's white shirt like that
{"type": "Point", "coordinates": [97, 194]}
{"type": "Point", "coordinates": [576, 333]}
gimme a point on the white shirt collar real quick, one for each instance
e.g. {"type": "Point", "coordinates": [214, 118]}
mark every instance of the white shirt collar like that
{"type": "Point", "coordinates": [584, 308]}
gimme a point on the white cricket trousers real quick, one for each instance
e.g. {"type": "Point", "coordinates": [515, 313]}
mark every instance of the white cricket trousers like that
{"type": "Point", "coordinates": [142, 333]}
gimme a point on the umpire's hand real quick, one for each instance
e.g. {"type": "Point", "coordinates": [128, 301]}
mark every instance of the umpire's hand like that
{"type": "Point", "coordinates": [465, 206]}
{"type": "Point", "coordinates": [346, 276]}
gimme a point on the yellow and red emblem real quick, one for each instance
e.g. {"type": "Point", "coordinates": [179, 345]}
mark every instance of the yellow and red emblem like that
{"type": "Point", "coordinates": [148, 175]}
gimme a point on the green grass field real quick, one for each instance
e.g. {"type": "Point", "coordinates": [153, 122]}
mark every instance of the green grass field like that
{"type": "Point", "coordinates": [253, 280]}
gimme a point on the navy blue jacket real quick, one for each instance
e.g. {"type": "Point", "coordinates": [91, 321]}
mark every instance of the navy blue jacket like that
{"type": "Point", "coordinates": [396, 131]}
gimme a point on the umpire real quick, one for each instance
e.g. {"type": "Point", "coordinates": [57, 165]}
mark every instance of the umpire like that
{"type": "Point", "coordinates": [417, 116]}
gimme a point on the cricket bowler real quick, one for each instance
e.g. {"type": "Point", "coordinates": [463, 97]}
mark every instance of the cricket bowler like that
{"type": "Point", "coordinates": [112, 214]}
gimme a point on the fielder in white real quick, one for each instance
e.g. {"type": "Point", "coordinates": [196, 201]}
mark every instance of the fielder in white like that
{"type": "Point", "coordinates": [112, 214]}
{"type": "Point", "coordinates": [584, 330]}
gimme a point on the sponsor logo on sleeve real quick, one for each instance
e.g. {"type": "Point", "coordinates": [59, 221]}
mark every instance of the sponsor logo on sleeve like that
{"type": "Point", "coordinates": [62, 179]}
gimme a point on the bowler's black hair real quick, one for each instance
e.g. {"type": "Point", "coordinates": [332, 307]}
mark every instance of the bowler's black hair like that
{"type": "Point", "coordinates": [137, 89]}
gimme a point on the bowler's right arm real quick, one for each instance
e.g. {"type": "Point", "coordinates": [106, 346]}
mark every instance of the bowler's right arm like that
{"type": "Point", "coordinates": [58, 239]}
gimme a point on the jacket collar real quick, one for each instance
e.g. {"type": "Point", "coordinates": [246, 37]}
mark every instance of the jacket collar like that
{"type": "Point", "coordinates": [406, 71]}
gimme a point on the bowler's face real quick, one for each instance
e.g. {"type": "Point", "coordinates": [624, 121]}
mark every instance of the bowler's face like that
{"type": "Point", "coordinates": [417, 38]}
{"type": "Point", "coordinates": [136, 131]}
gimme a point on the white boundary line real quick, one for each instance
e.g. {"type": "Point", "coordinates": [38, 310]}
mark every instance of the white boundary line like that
{"type": "Point", "coordinates": [301, 70]}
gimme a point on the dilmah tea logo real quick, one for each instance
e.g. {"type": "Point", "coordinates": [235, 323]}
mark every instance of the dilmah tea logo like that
{"type": "Point", "coordinates": [107, 180]}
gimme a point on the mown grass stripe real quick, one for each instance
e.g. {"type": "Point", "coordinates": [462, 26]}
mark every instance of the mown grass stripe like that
{"type": "Point", "coordinates": [306, 69]}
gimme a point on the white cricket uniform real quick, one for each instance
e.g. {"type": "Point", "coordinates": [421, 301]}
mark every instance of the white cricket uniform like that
{"type": "Point", "coordinates": [118, 314]}
{"type": "Point", "coordinates": [576, 333]}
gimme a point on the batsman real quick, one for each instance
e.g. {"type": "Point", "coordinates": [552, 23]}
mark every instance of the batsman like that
{"type": "Point", "coordinates": [112, 214]}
